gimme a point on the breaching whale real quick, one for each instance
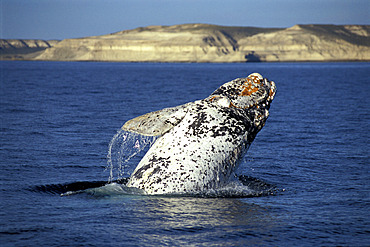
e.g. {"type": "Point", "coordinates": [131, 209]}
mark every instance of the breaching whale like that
{"type": "Point", "coordinates": [201, 143]}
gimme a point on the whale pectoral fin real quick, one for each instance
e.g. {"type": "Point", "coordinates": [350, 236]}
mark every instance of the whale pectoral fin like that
{"type": "Point", "coordinates": [158, 122]}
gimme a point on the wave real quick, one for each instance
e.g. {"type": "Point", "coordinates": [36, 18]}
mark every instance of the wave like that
{"type": "Point", "coordinates": [245, 186]}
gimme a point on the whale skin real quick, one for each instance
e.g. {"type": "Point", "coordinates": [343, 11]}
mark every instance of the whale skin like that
{"type": "Point", "coordinates": [200, 144]}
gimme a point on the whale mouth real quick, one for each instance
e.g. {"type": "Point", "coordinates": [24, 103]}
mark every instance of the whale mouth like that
{"type": "Point", "coordinates": [272, 90]}
{"type": "Point", "coordinates": [259, 90]}
{"type": "Point", "coordinates": [253, 91]}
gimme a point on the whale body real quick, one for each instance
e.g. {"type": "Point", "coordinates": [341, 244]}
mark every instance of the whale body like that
{"type": "Point", "coordinates": [201, 143]}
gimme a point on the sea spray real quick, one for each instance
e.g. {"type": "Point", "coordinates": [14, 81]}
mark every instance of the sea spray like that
{"type": "Point", "coordinates": [124, 153]}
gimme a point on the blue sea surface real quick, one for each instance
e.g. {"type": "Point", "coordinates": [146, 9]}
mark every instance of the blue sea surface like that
{"type": "Point", "coordinates": [58, 118]}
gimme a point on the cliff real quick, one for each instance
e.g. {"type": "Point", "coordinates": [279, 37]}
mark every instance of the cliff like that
{"type": "Point", "coordinates": [211, 43]}
{"type": "Point", "coordinates": [23, 49]}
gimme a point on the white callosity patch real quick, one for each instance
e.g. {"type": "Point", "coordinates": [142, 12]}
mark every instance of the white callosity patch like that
{"type": "Point", "coordinates": [201, 142]}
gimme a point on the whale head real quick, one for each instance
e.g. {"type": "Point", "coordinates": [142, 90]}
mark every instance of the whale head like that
{"type": "Point", "coordinates": [252, 94]}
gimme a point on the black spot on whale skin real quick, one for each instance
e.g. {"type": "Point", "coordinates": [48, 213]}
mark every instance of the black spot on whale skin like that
{"type": "Point", "coordinates": [196, 127]}
{"type": "Point", "coordinates": [219, 131]}
{"type": "Point", "coordinates": [139, 173]}
{"type": "Point", "coordinates": [224, 91]}
{"type": "Point", "coordinates": [240, 115]}
{"type": "Point", "coordinates": [160, 161]}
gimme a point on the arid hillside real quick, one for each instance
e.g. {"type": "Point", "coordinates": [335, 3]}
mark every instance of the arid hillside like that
{"type": "Point", "coordinates": [210, 43]}
{"type": "Point", "coordinates": [23, 49]}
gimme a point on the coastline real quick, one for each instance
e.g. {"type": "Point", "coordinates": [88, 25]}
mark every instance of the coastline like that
{"type": "Point", "coordinates": [203, 43]}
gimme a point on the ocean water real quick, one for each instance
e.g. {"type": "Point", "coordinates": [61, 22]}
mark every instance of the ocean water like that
{"type": "Point", "coordinates": [58, 120]}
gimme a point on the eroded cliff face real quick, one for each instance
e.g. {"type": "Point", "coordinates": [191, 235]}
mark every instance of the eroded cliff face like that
{"type": "Point", "coordinates": [210, 43]}
{"type": "Point", "coordinates": [26, 43]}
{"type": "Point", "coordinates": [311, 43]}
{"type": "Point", "coordinates": [181, 43]}
{"type": "Point", "coordinates": [19, 49]}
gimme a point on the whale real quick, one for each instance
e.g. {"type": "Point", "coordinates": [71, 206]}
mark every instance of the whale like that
{"type": "Point", "coordinates": [201, 144]}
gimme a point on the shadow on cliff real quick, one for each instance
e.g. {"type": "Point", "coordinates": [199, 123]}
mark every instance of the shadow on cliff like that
{"type": "Point", "coordinates": [252, 57]}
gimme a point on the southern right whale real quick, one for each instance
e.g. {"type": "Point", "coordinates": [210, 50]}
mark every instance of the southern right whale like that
{"type": "Point", "coordinates": [201, 143]}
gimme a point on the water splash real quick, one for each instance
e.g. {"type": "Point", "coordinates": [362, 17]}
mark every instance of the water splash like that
{"type": "Point", "coordinates": [124, 153]}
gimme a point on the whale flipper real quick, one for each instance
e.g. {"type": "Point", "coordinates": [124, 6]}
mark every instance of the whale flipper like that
{"type": "Point", "coordinates": [158, 122]}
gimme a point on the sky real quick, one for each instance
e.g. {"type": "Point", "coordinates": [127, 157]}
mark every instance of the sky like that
{"type": "Point", "coordinates": [61, 19]}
